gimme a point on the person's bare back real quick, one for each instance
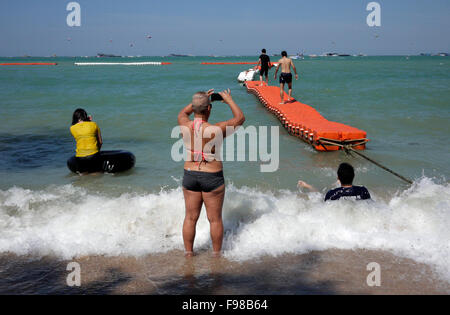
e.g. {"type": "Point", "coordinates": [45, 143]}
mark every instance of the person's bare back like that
{"type": "Point", "coordinates": [286, 64]}
{"type": "Point", "coordinates": [286, 76]}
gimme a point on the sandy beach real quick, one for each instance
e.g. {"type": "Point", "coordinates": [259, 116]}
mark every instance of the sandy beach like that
{"type": "Point", "coordinates": [328, 272]}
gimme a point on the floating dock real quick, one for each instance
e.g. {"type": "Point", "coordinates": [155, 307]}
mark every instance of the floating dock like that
{"type": "Point", "coordinates": [306, 123]}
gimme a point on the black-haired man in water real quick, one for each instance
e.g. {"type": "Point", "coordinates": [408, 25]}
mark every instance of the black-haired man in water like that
{"type": "Point", "coordinates": [264, 61]}
{"type": "Point", "coordinates": [286, 76]}
{"type": "Point", "coordinates": [346, 174]}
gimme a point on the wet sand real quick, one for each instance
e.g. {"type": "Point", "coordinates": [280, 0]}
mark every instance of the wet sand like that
{"type": "Point", "coordinates": [325, 272]}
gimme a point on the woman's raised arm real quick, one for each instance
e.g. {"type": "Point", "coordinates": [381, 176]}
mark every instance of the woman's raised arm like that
{"type": "Point", "coordinates": [238, 116]}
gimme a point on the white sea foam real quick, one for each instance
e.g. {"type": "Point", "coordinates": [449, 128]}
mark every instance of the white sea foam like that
{"type": "Point", "coordinates": [68, 221]}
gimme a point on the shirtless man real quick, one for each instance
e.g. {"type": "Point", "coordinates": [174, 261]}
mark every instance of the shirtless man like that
{"type": "Point", "coordinates": [286, 76]}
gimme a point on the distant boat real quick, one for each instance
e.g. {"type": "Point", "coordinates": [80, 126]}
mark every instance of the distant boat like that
{"type": "Point", "coordinates": [333, 54]}
{"type": "Point", "coordinates": [247, 75]}
{"type": "Point", "coordinates": [178, 55]}
{"type": "Point", "coordinates": [297, 57]}
{"type": "Point", "coordinates": [107, 56]}
{"type": "Point", "coordinates": [443, 54]}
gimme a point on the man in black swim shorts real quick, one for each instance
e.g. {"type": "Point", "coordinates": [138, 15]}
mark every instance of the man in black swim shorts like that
{"type": "Point", "coordinates": [264, 62]}
{"type": "Point", "coordinates": [286, 76]}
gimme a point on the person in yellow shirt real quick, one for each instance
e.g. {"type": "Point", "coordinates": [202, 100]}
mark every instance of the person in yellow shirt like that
{"type": "Point", "coordinates": [89, 141]}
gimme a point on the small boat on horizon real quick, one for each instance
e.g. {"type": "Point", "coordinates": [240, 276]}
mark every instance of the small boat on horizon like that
{"type": "Point", "coordinates": [330, 55]}
{"type": "Point", "coordinates": [100, 55]}
{"type": "Point", "coordinates": [299, 56]}
{"type": "Point", "coordinates": [178, 55]}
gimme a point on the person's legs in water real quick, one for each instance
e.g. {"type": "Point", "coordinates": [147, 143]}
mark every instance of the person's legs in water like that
{"type": "Point", "coordinates": [193, 201]}
{"type": "Point", "coordinates": [213, 202]}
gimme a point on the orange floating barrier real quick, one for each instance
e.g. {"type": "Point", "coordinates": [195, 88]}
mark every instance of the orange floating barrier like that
{"type": "Point", "coordinates": [29, 64]}
{"type": "Point", "coordinates": [229, 63]}
{"type": "Point", "coordinates": [306, 123]}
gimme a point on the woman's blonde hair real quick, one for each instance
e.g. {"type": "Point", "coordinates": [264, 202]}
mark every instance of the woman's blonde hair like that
{"type": "Point", "coordinates": [200, 102]}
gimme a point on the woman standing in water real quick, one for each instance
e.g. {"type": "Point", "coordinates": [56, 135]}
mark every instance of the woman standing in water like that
{"type": "Point", "coordinates": [89, 141]}
{"type": "Point", "coordinates": [203, 180]}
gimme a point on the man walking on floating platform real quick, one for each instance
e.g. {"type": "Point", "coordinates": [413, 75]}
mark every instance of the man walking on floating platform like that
{"type": "Point", "coordinates": [286, 76]}
{"type": "Point", "coordinates": [264, 62]}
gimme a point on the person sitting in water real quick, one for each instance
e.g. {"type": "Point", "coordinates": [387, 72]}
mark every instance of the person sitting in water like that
{"type": "Point", "coordinates": [88, 140]}
{"type": "Point", "coordinates": [203, 181]}
{"type": "Point", "coordinates": [346, 174]}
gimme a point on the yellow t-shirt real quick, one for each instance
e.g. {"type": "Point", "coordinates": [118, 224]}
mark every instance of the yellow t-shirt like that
{"type": "Point", "coordinates": [85, 134]}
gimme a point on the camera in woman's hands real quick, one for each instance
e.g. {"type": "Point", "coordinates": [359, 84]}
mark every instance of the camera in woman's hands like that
{"type": "Point", "coordinates": [216, 97]}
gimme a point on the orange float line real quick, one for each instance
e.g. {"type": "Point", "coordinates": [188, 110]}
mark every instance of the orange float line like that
{"type": "Point", "coordinates": [229, 63]}
{"type": "Point", "coordinates": [29, 64]}
{"type": "Point", "coordinates": [306, 123]}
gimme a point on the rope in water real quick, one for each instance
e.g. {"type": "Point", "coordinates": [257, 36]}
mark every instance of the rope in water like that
{"type": "Point", "coordinates": [349, 148]}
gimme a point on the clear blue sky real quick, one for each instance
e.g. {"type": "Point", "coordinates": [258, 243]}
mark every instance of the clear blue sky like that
{"type": "Point", "coordinates": [202, 27]}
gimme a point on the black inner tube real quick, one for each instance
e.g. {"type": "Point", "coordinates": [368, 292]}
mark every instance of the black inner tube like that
{"type": "Point", "coordinates": [104, 161]}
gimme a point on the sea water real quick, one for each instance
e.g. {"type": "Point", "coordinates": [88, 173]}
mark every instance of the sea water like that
{"type": "Point", "coordinates": [402, 103]}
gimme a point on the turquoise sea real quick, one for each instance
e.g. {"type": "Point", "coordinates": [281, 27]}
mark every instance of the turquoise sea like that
{"type": "Point", "coordinates": [403, 103]}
